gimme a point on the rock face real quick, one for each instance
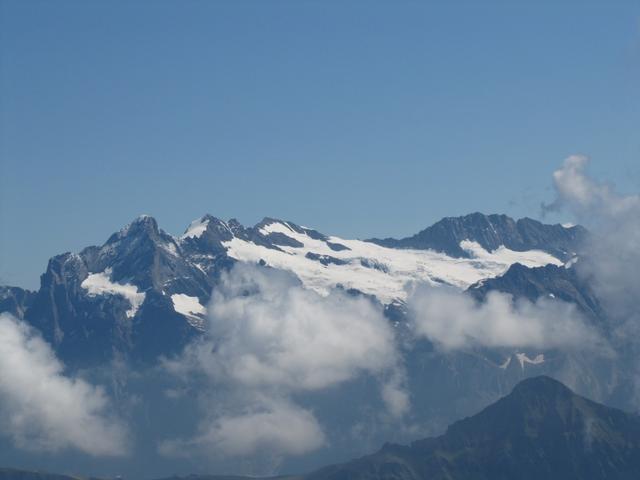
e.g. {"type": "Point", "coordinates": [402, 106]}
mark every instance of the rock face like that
{"type": "Point", "coordinates": [540, 430]}
{"type": "Point", "coordinates": [85, 305]}
{"type": "Point", "coordinates": [491, 232]}
{"type": "Point", "coordinates": [15, 300]}
{"type": "Point", "coordinates": [549, 281]}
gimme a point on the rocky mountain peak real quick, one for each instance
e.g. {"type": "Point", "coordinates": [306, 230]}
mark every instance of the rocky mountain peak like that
{"type": "Point", "coordinates": [141, 225]}
{"type": "Point", "coordinates": [541, 387]}
{"type": "Point", "coordinates": [141, 268]}
{"type": "Point", "coordinates": [491, 232]}
{"type": "Point", "coordinates": [540, 430]}
{"type": "Point", "coordinates": [235, 225]}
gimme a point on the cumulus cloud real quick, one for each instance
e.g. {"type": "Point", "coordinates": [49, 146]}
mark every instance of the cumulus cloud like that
{"type": "Point", "coordinates": [271, 331]}
{"type": "Point", "coordinates": [596, 203]}
{"type": "Point", "coordinates": [452, 320]}
{"type": "Point", "coordinates": [270, 338]}
{"type": "Point", "coordinates": [41, 408]}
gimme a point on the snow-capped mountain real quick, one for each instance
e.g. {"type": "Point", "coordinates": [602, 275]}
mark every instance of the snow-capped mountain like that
{"type": "Point", "coordinates": [379, 268]}
{"type": "Point", "coordinates": [145, 291]}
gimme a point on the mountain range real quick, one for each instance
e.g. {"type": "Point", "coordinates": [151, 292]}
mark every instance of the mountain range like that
{"type": "Point", "coordinates": [143, 295]}
{"type": "Point", "coordinates": [143, 292]}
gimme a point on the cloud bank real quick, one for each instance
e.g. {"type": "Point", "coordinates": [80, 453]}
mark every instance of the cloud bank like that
{"type": "Point", "coordinates": [269, 339]}
{"type": "Point", "coordinates": [41, 408]}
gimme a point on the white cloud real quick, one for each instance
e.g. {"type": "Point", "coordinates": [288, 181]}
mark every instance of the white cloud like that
{"type": "Point", "coordinates": [41, 408]}
{"type": "Point", "coordinates": [279, 333]}
{"type": "Point", "coordinates": [453, 320]}
{"type": "Point", "coordinates": [612, 257]}
{"type": "Point", "coordinates": [591, 201]}
{"type": "Point", "coordinates": [269, 427]}
{"type": "Point", "coordinates": [269, 338]}
{"type": "Point", "coordinates": [395, 395]}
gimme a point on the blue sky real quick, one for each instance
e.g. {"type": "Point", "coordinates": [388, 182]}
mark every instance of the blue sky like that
{"type": "Point", "coordinates": [357, 118]}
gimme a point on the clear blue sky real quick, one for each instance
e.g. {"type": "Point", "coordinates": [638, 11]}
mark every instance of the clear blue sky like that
{"type": "Point", "coordinates": [357, 118]}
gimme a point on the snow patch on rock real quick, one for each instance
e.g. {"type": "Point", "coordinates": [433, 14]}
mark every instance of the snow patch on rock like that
{"type": "Point", "coordinates": [196, 229]}
{"type": "Point", "coordinates": [190, 307]}
{"type": "Point", "coordinates": [101, 284]}
{"type": "Point", "coordinates": [523, 358]}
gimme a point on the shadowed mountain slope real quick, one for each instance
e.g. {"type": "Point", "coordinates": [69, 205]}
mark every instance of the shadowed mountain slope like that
{"type": "Point", "coordinates": [541, 430]}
